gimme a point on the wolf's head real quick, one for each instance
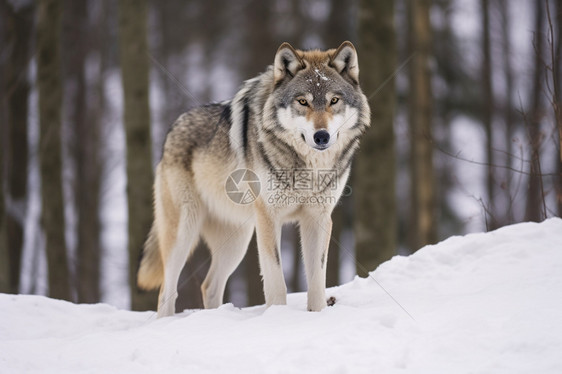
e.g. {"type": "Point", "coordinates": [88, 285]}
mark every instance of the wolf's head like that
{"type": "Point", "coordinates": [317, 94]}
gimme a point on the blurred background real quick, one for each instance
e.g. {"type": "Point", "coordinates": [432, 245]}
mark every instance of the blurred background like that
{"type": "Point", "coordinates": [465, 132]}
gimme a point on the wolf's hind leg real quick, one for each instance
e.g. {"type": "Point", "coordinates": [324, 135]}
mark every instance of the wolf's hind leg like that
{"type": "Point", "coordinates": [228, 244]}
{"type": "Point", "coordinates": [187, 237]}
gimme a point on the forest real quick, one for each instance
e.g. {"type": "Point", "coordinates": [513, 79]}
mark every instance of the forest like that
{"type": "Point", "coordinates": [466, 134]}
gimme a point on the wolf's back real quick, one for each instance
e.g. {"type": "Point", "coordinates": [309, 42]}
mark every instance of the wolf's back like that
{"type": "Point", "coordinates": [151, 272]}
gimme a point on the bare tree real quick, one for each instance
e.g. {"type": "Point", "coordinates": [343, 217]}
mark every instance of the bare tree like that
{"type": "Point", "coordinates": [488, 112]}
{"type": "Point", "coordinates": [172, 17]}
{"type": "Point", "coordinates": [556, 53]}
{"type": "Point", "coordinates": [4, 256]}
{"type": "Point", "coordinates": [254, 287]}
{"type": "Point", "coordinates": [85, 131]}
{"type": "Point", "coordinates": [49, 83]}
{"type": "Point", "coordinates": [508, 110]}
{"type": "Point", "coordinates": [292, 234]}
{"type": "Point", "coordinates": [134, 72]}
{"type": "Point", "coordinates": [192, 277]}
{"type": "Point", "coordinates": [535, 195]}
{"type": "Point", "coordinates": [423, 226]}
{"type": "Point", "coordinates": [18, 29]}
{"type": "Point", "coordinates": [338, 28]}
{"type": "Point", "coordinates": [374, 169]}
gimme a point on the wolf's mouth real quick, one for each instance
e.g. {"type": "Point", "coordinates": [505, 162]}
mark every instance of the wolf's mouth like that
{"type": "Point", "coordinates": [321, 147]}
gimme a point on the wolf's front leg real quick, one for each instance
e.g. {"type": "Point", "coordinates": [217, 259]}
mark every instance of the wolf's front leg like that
{"type": "Point", "coordinates": [268, 233]}
{"type": "Point", "coordinates": [315, 237]}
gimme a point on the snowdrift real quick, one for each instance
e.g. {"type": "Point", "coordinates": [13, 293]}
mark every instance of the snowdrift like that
{"type": "Point", "coordinates": [487, 303]}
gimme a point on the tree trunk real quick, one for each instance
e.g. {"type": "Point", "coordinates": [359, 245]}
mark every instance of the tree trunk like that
{"type": "Point", "coordinates": [254, 284]}
{"type": "Point", "coordinates": [172, 16]}
{"type": "Point", "coordinates": [338, 29]}
{"type": "Point", "coordinates": [374, 173]}
{"type": "Point", "coordinates": [50, 106]}
{"type": "Point", "coordinates": [17, 30]}
{"type": "Point", "coordinates": [339, 26]}
{"type": "Point", "coordinates": [487, 110]}
{"type": "Point", "coordinates": [135, 73]}
{"type": "Point", "coordinates": [192, 277]}
{"type": "Point", "coordinates": [85, 150]}
{"type": "Point", "coordinates": [535, 195]}
{"type": "Point", "coordinates": [333, 266]}
{"type": "Point", "coordinates": [4, 256]}
{"type": "Point", "coordinates": [423, 226]}
{"type": "Point", "coordinates": [557, 75]}
{"type": "Point", "coordinates": [294, 238]}
{"type": "Point", "coordinates": [509, 111]}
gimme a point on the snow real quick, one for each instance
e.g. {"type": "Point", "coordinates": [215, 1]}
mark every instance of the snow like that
{"type": "Point", "coordinates": [321, 75]}
{"type": "Point", "coordinates": [482, 303]}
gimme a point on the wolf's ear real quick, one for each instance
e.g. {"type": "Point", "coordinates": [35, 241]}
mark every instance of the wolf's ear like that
{"type": "Point", "coordinates": [344, 60]}
{"type": "Point", "coordinates": [287, 62]}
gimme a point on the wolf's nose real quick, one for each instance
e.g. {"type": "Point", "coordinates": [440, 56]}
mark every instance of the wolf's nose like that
{"type": "Point", "coordinates": [321, 137]}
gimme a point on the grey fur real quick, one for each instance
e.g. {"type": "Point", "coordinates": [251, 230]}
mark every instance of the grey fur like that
{"type": "Point", "coordinates": [267, 127]}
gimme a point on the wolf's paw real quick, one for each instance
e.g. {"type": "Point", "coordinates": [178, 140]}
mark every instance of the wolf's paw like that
{"type": "Point", "coordinates": [316, 304]}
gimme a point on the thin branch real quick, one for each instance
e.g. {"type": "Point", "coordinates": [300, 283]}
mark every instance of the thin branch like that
{"type": "Point", "coordinates": [481, 163]}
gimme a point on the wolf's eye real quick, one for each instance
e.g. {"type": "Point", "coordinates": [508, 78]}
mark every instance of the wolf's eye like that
{"type": "Point", "coordinates": [334, 100]}
{"type": "Point", "coordinates": [303, 102]}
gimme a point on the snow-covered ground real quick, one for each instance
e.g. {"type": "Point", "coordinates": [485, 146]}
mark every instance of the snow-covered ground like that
{"type": "Point", "coordinates": [483, 303]}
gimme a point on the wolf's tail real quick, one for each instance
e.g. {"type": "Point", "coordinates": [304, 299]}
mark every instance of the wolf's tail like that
{"type": "Point", "coordinates": [151, 271]}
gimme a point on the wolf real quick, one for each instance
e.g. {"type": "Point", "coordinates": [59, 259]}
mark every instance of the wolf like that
{"type": "Point", "coordinates": [280, 151]}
